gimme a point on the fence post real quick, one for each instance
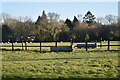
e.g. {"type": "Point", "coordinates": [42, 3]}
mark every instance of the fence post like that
{"type": "Point", "coordinates": [71, 42]}
{"type": "Point", "coordinates": [40, 46]}
{"type": "Point", "coordinates": [101, 44]}
{"type": "Point", "coordinates": [86, 46]}
{"type": "Point", "coordinates": [95, 43]}
{"type": "Point", "coordinates": [22, 46]}
{"type": "Point", "coordinates": [108, 45]}
{"type": "Point", "coordinates": [56, 45]}
{"type": "Point", "coordinates": [12, 45]}
{"type": "Point", "coordinates": [25, 46]}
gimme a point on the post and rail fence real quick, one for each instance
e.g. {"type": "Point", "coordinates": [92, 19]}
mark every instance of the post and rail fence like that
{"type": "Point", "coordinates": [24, 45]}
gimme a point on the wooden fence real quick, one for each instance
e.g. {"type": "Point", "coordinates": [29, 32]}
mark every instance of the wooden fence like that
{"type": "Point", "coordinates": [25, 46]}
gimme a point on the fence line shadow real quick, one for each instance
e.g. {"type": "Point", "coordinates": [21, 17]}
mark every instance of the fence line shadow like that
{"type": "Point", "coordinates": [59, 78]}
{"type": "Point", "coordinates": [45, 51]}
{"type": "Point", "coordinates": [57, 59]}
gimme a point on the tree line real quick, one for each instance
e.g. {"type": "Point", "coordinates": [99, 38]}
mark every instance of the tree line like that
{"type": "Point", "coordinates": [49, 27]}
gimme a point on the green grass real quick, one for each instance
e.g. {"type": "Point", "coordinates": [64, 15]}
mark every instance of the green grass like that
{"type": "Point", "coordinates": [94, 63]}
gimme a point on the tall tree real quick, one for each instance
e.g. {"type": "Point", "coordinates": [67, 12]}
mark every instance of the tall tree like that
{"type": "Point", "coordinates": [110, 19]}
{"type": "Point", "coordinates": [100, 20]}
{"type": "Point", "coordinates": [50, 28]}
{"type": "Point", "coordinates": [53, 16]}
{"type": "Point", "coordinates": [23, 27]}
{"type": "Point", "coordinates": [69, 23]}
{"type": "Point", "coordinates": [6, 33]}
{"type": "Point", "coordinates": [75, 22]}
{"type": "Point", "coordinates": [4, 17]}
{"type": "Point", "coordinates": [55, 25]}
{"type": "Point", "coordinates": [89, 18]}
{"type": "Point", "coordinates": [44, 16]}
{"type": "Point", "coordinates": [79, 17]}
{"type": "Point", "coordinates": [41, 18]}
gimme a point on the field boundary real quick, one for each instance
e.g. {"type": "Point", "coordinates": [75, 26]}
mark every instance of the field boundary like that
{"type": "Point", "coordinates": [24, 45]}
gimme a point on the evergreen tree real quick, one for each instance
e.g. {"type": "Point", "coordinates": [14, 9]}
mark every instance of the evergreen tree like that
{"type": "Point", "coordinates": [75, 19]}
{"type": "Point", "coordinates": [44, 16]}
{"type": "Point", "coordinates": [69, 24]}
{"type": "Point", "coordinates": [89, 18]}
{"type": "Point", "coordinates": [41, 18]}
{"type": "Point", "coordinates": [38, 20]}
{"type": "Point", "coordinates": [75, 22]}
{"type": "Point", "coordinates": [6, 33]}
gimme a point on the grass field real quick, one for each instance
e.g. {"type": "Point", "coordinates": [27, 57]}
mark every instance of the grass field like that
{"type": "Point", "coordinates": [94, 63]}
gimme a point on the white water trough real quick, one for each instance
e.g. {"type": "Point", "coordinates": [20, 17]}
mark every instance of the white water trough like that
{"type": "Point", "coordinates": [62, 48]}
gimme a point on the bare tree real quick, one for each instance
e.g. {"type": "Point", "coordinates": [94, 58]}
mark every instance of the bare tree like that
{"type": "Point", "coordinates": [53, 16]}
{"type": "Point", "coordinates": [4, 17]}
{"type": "Point", "coordinates": [79, 17]}
{"type": "Point", "coordinates": [111, 19]}
{"type": "Point", "coordinates": [100, 20]}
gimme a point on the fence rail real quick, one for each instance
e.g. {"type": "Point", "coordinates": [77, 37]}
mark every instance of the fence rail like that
{"type": "Point", "coordinates": [25, 46]}
{"type": "Point", "coordinates": [107, 45]}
